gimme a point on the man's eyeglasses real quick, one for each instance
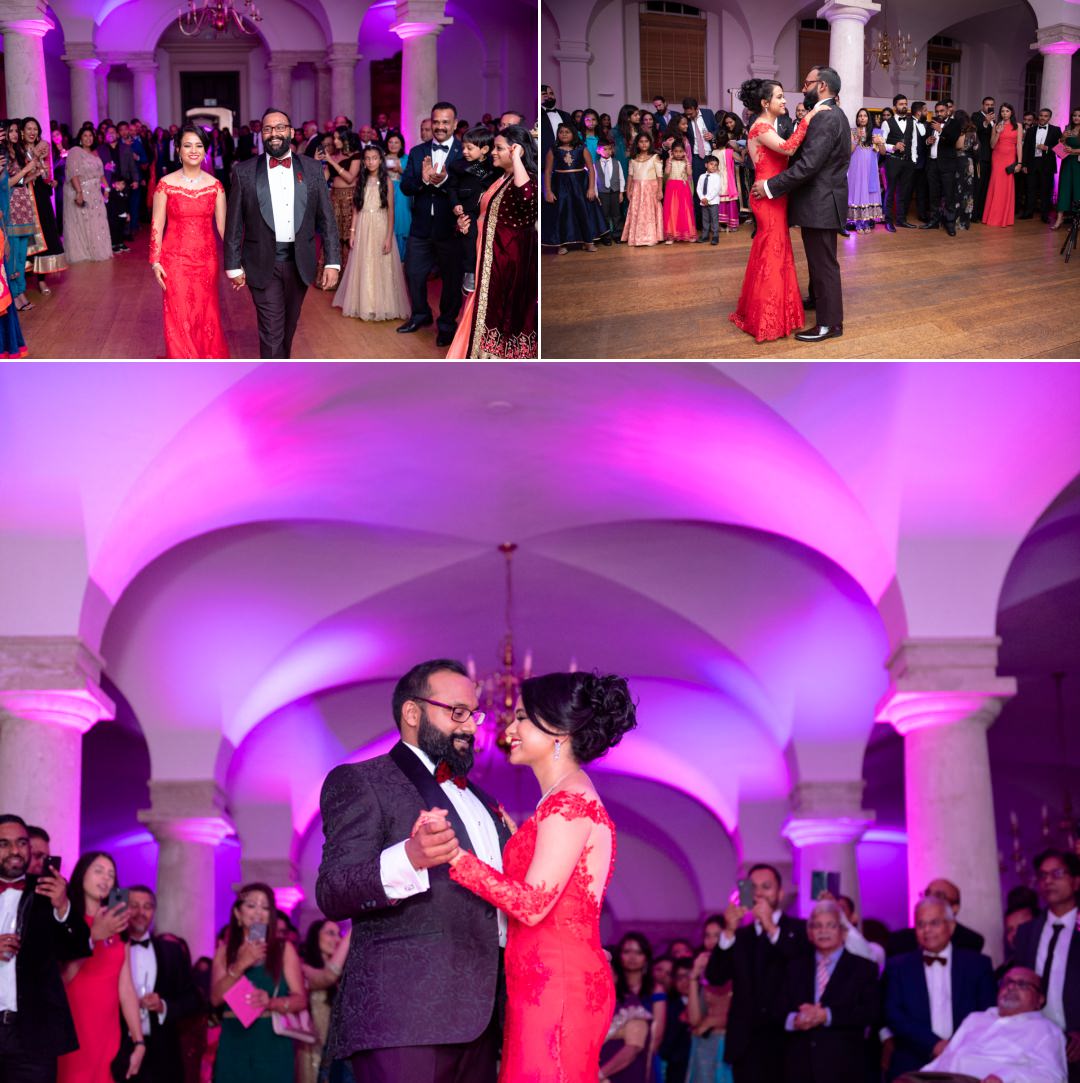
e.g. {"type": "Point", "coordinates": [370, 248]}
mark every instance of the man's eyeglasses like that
{"type": "Point", "coordinates": [458, 711]}
{"type": "Point", "coordinates": [1053, 874]}
{"type": "Point", "coordinates": [1018, 984]}
{"type": "Point", "coordinates": [277, 129]}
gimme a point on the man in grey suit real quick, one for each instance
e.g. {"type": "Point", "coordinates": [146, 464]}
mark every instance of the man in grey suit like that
{"type": "Point", "coordinates": [817, 181]}
{"type": "Point", "coordinates": [422, 990]}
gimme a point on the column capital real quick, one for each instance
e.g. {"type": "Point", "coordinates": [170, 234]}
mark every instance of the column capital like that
{"type": "Point", "coordinates": [763, 66]}
{"type": "Point", "coordinates": [572, 52]}
{"type": "Point", "coordinates": [187, 810]}
{"type": "Point", "coordinates": [81, 54]}
{"type": "Point", "coordinates": [861, 11]}
{"type": "Point", "coordinates": [419, 18]}
{"type": "Point", "coordinates": [1060, 38]}
{"type": "Point", "coordinates": [804, 831]}
{"type": "Point", "coordinates": [140, 61]}
{"type": "Point", "coordinates": [827, 812]}
{"type": "Point", "coordinates": [341, 53]}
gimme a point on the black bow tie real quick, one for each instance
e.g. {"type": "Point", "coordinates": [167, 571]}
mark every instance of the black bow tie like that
{"type": "Point", "coordinates": [931, 959]}
{"type": "Point", "coordinates": [140, 943]}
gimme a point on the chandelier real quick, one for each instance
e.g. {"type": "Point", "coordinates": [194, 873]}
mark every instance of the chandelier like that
{"type": "Point", "coordinates": [887, 52]}
{"type": "Point", "coordinates": [218, 15]}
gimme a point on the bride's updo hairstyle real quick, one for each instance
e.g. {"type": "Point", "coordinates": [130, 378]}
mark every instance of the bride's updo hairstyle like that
{"type": "Point", "coordinates": [753, 91]}
{"type": "Point", "coordinates": [592, 711]}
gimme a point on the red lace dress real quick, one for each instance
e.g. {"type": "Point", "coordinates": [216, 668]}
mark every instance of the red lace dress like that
{"type": "Point", "coordinates": [560, 994]}
{"type": "Point", "coordinates": [770, 305]}
{"type": "Point", "coordinates": [189, 256]}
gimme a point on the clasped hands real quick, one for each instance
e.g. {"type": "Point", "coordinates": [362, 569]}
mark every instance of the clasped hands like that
{"type": "Point", "coordinates": [809, 1016]}
{"type": "Point", "coordinates": [430, 174]}
{"type": "Point", "coordinates": [432, 841]}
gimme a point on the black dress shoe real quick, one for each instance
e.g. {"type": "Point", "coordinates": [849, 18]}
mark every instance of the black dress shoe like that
{"type": "Point", "coordinates": [809, 302]}
{"type": "Point", "coordinates": [820, 333]}
{"type": "Point", "coordinates": [950, 229]}
{"type": "Point", "coordinates": [414, 323]}
{"type": "Point", "coordinates": [929, 225]}
{"type": "Point", "coordinates": [444, 339]}
{"type": "Point", "coordinates": [890, 227]}
{"type": "Point", "coordinates": [905, 224]}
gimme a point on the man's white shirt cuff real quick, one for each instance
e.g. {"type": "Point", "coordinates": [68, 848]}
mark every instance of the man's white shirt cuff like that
{"type": "Point", "coordinates": [399, 879]}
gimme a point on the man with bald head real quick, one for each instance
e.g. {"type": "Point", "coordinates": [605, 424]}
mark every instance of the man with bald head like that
{"type": "Point", "coordinates": [904, 940]}
{"type": "Point", "coordinates": [1011, 1043]}
{"type": "Point", "coordinates": [931, 991]}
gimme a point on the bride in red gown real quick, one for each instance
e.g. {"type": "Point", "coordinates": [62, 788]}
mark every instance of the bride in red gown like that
{"type": "Point", "coordinates": [560, 992]}
{"type": "Point", "coordinates": [770, 304]}
{"type": "Point", "coordinates": [191, 202]}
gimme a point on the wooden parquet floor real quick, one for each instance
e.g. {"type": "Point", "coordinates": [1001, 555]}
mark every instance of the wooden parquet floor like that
{"type": "Point", "coordinates": [987, 293]}
{"type": "Point", "coordinates": [113, 310]}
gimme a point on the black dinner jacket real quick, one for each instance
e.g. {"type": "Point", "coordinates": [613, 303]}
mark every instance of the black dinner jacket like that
{"type": "Point", "coordinates": [902, 941]}
{"type": "Point", "coordinates": [547, 133]}
{"type": "Point", "coordinates": [249, 223]}
{"type": "Point", "coordinates": [837, 1051]}
{"type": "Point", "coordinates": [43, 1022]}
{"type": "Point", "coordinates": [816, 177]}
{"type": "Point", "coordinates": [175, 984]}
{"type": "Point", "coordinates": [946, 152]}
{"type": "Point", "coordinates": [1049, 158]}
{"type": "Point", "coordinates": [439, 948]}
{"type": "Point", "coordinates": [984, 129]}
{"type": "Point", "coordinates": [432, 217]}
{"type": "Point", "coordinates": [757, 969]}
{"type": "Point", "coordinates": [1026, 948]}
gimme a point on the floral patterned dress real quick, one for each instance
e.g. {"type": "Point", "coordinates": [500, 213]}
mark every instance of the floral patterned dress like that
{"type": "Point", "coordinates": [560, 994]}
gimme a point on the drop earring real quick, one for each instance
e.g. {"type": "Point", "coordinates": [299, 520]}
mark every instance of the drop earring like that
{"type": "Point", "coordinates": [555, 754]}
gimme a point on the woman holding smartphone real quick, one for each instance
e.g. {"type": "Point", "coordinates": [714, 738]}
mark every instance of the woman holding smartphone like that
{"type": "Point", "coordinates": [99, 988]}
{"type": "Point", "coordinates": [1004, 160]}
{"type": "Point", "coordinates": [252, 950]}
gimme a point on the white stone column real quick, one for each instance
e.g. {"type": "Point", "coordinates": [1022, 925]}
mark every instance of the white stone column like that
{"type": "Point", "coordinates": [492, 73]}
{"type": "Point", "coordinates": [847, 21]}
{"type": "Point", "coordinates": [418, 23]}
{"type": "Point", "coordinates": [101, 80]}
{"type": "Point", "coordinates": [574, 58]}
{"type": "Point", "coordinates": [49, 697]}
{"type": "Point", "coordinates": [322, 95]}
{"type": "Point", "coordinates": [144, 71]}
{"type": "Point", "coordinates": [341, 59]}
{"type": "Point", "coordinates": [80, 58]}
{"type": "Point", "coordinates": [23, 25]}
{"type": "Point", "coordinates": [189, 821]}
{"type": "Point", "coordinates": [1057, 44]}
{"type": "Point", "coordinates": [944, 695]}
{"type": "Point", "coordinates": [281, 70]}
{"type": "Point", "coordinates": [826, 821]}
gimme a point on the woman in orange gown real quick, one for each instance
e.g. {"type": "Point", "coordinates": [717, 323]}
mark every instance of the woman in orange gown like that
{"type": "Point", "coordinates": [560, 993]}
{"type": "Point", "coordinates": [100, 988]}
{"type": "Point", "coordinates": [1000, 207]}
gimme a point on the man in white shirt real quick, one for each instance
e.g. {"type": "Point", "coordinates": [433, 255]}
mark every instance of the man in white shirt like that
{"type": "Point", "coordinates": [421, 989]}
{"type": "Point", "coordinates": [1012, 1043]}
{"type": "Point", "coordinates": [904, 147]}
{"type": "Point", "coordinates": [1038, 152]}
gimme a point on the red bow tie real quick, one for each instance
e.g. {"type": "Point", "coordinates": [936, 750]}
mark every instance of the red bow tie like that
{"type": "Point", "coordinates": [286, 162]}
{"type": "Point", "coordinates": [18, 884]}
{"type": "Point", "coordinates": [443, 773]}
{"type": "Point", "coordinates": [931, 959]}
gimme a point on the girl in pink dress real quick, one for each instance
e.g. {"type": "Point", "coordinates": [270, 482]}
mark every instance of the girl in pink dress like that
{"type": "Point", "coordinates": [1000, 207]}
{"type": "Point", "coordinates": [678, 200]}
{"type": "Point", "coordinates": [644, 218]}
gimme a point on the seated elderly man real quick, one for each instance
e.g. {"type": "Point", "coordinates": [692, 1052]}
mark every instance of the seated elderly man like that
{"type": "Point", "coordinates": [830, 999]}
{"type": "Point", "coordinates": [1012, 1043]}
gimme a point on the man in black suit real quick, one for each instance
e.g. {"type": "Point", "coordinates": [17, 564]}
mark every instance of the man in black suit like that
{"type": "Point", "coordinates": [550, 119]}
{"type": "Point", "coordinates": [904, 148]}
{"type": "Point", "coordinates": [35, 1021]}
{"type": "Point", "coordinates": [433, 236]}
{"type": "Point", "coordinates": [1050, 945]}
{"type": "Point", "coordinates": [165, 985]}
{"type": "Point", "coordinates": [661, 113]}
{"type": "Point", "coordinates": [941, 166]}
{"type": "Point", "coordinates": [902, 941]}
{"type": "Point", "coordinates": [420, 995]}
{"type": "Point", "coordinates": [700, 132]}
{"type": "Point", "coordinates": [1039, 142]}
{"type": "Point", "coordinates": [931, 991]}
{"type": "Point", "coordinates": [277, 203]}
{"type": "Point", "coordinates": [920, 185]}
{"type": "Point", "coordinates": [817, 181]}
{"type": "Point", "coordinates": [983, 119]}
{"type": "Point", "coordinates": [829, 1000]}
{"type": "Point", "coordinates": [754, 958]}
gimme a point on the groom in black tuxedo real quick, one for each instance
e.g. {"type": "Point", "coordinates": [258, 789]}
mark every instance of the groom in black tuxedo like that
{"type": "Point", "coordinates": [422, 991]}
{"type": "Point", "coordinates": [278, 202]}
{"type": "Point", "coordinates": [817, 181]}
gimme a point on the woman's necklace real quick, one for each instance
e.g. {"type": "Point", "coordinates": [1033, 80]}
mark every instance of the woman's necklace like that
{"type": "Point", "coordinates": [192, 180]}
{"type": "Point", "coordinates": [562, 778]}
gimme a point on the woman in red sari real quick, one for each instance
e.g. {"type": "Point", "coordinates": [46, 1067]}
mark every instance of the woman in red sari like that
{"type": "Point", "coordinates": [499, 319]}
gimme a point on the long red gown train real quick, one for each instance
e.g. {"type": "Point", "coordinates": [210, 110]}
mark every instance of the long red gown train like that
{"type": "Point", "coordinates": [770, 305]}
{"type": "Point", "coordinates": [560, 994]}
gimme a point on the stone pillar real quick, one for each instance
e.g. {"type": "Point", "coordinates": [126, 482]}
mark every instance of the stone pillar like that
{"type": "Point", "coordinates": [80, 58]}
{"type": "Point", "coordinates": [826, 821]}
{"type": "Point", "coordinates": [494, 102]}
{"type": "Point", "coordinates": [341, 60]}
{"type": "Point", "coordinates": [847, 21]}
{"type": "Point", "coordinates": [1057, 44]}
{"type": "Point", "coordinates": [102, 83]}
{"type": "Point", "coordinates": [418, 23]}
{"type": "Point", "coordinates": [144, 70]}
{"type": "Point", "coordinates": [189, 821]}
{"type": "Point", "coordinates": [49, 697]}
{"type": "Point", "coordinates": [322, 95]}
{"type": "Point", "coordinates": [23, 25]}
{"type": "Point", "coordinates": [944, 695]}
{"type": "Point", "coordinates": [280, 84]}
{"type": "Point", "coordinates": [574, 59]}
{"type": "Point", "coordinates": [280, 873]}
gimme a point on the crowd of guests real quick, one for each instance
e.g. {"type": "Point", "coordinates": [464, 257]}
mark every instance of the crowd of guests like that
{"type": "Point", "coordinates": [665, 175]}
{"type": "Point", "coordinates": [406, 216]}
{"type": "Point", "coordinates": [91, 990]}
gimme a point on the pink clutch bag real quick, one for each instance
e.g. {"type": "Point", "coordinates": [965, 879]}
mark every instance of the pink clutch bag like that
{"type": "Point", "coordinates": [1061, 150]}
{"type": "Point", "coordinates": [236, 998]}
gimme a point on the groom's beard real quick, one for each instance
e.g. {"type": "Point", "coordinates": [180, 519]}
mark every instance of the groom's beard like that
{"type": "Point", "coordinates": [810, 98]}
{"type": "Point", "coordinates": [276, 145]}
{"type": "Point", "coordinates": [457, 752]}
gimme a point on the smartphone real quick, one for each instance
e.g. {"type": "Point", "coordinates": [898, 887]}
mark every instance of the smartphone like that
{"type": "Point", "coordinates": [118, 897]}
{"type": "Point", "coordinates": [746, 894]}
{"type": "Point", "coordinates": [257, 932]}
{"type": "Point", "coordinates": [52, 865]}
{"type": "Point", "coordinates": [824, 881]}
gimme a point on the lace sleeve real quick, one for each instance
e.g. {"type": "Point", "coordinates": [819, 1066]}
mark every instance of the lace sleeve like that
{"type": "Point", "coordinates": [560, 841]}
{"type": "Point", "coordinates": [155, 245]}
{"type": "Point", "coordinates": [797, 136]}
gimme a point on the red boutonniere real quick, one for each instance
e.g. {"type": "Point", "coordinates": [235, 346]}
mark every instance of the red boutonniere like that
{"type": "Point", "coordinates": [299, 177]}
